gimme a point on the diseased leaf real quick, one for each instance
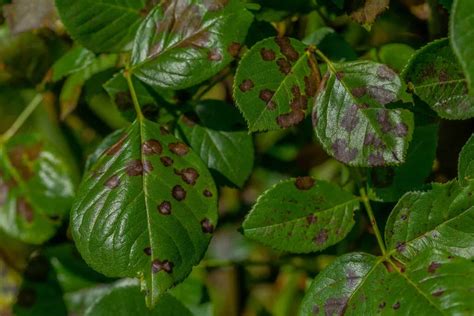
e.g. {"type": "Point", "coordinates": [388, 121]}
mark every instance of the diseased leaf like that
{"type": "Point", "coordinates": [390, 183]}
{"type": "Point", "coordinates": [366, 11]}
{"type": "Point", "coordinates": [274, 83]}
{"type": "Point", "coordinates": [126, 299]}
{"type": "Point", "coordinates": [27, 15]}
{"type": "Point", "coordinates": [350, 118]}
{"type": "Point", "coordinates": [147, 207]}
{"type": "Point", "coordinates": [436, 77]}
{"type": "Point", "coordinates": [103, 25]}
{"type": "Point", "coordinates": [466, 162]}
{"type": "Point", "coordinates": [441, 218]}
{"type": "Point", "coordinates": [462, 13]}
{"type": "Point", "coordinates": [176, 53]}
{"type": "Point", "coordinates": [73, 61]}
{"type": "Point", "coordinates": [433, 283]}
{"type": "Point", "coordinates": [213, 132]}
{"type": "Point", "coordinates": [301, 215]}
{"type": "Point", "coordinates": [36, 189]}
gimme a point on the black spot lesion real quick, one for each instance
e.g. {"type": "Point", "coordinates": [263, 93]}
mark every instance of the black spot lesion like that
{"type": "Point", "coordinates": [178, 193]}
{"type": "Point", "coordinates": [164, 208]}
{"type": "Point", "coordinates": [304, 183]}
{"type": "Point", "coordinates": [178, 148]}
{"type": "Point", "coordinates": [246, 85]}
{"type": "Point", "coordinates": [206, 226]}
{"type": "Point", "coordinates": [188, 175]}
{"type": "Point", "coordinates": [162, 265]}
{"type": "Point", "coordinates": [267, 54]}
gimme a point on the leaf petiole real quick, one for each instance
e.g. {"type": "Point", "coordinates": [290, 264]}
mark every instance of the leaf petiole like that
{"type": "Point", "coordinates": [365, 200]}
{"type": "Point", "coordinates": [21, 118]}
{"type": "Point", "coordinates": [127, 74]}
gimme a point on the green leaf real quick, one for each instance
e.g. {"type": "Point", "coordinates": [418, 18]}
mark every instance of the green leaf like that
{"type": "Point", "coordinates": [73, 61]}
{"type": "Point", "coordinates": [126, 299]}
{"type": "Point", "coordinates": [301, 215]}
{"type": "Point", "coordinates": [395, 55]}
{"type": "Point", "coordinates": [147, 207]}
{"type": "Point", "coordinates": [36, 189]}
{"type": "Point", "coordinates": [434, 283]}
{"type": "Point", "coordinates": [274, 84]}
{"type": "Point", "coordinates": [350, 119]}
{"type": "Point", "coordinates": [332, 44]}
{"type": "Point", "coordinates": [434, 74]}
{"type": "Point", "coordinates": [103, 25]}
{"type": "Point", "coordinates": [441, 218]}
{"type": "Point", "coordinates": [213, 132]}
{"type": "Point", "coordinates": [390, 183]}
{"type": "Point", "coordinates": [466, 162]}
{"type": "Point", "coordinates": [179, 53]}
{"type": "Point", "coordinates": [462, 13]}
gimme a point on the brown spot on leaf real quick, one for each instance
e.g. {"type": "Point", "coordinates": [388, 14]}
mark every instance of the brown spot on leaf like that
{"type": "Point", "coordinates": [147, 251]}
{"type": "Point", "coordinates": [311, 84]}
{"type": "Point", "coordinates": [290, 119]}
{"type": "Point", "coordinates": [401, 130]}
{"type": "Point", "coordinates": [384, 120]}
{"type": "Point", "coordinates": [311, 219]}
{"type": "Point", "coordinates": [164, 130]}
{"type": "Point", "coordinates": [112, 182]}
{"type": "Point", "coordinates": [376, 159]}
{"type": "Point", "coordinates": [350, 119]}
{"type": "Point", "coordinates": [206, 226]}
{"type": "Point", "coordinates": [339, 75]}
{"type": "Point", "coordinates": [299, 101]}
{"type": "Point", "coordinates": [165, 208]}
{"type": "Point", "coordinates": [396, 305]}
{"type": "Point", "coordinates": [234, 49]}
{"type": "Point", "coordinates": [179, 148]}
{"type": "Point", "coordinates": [433, 267]}
{"type": "Point", "coordinates": [190, 119]}
{"type": "Point", "coordinates": [314, 117]}
{"type": "Point", "coordinates": [443, 76]}
{"type": "Point", "coordinates": [321, 237]}
{"type": "Point", "coordinates": [214, 55]}
{"type": "Point", "coordinates": [166, 161]}
{"type": "Point", "coordinates": [335, 306]}
{"type": "Point", "coordinates": [381, 95]}
{"type": "Point", "coordinates": [152, 147]}
{"type": "Point", "coordinates": [267, 54]}
{"type": "Point", "coordinates": [215, 5]}
{"type": "Point", "coordinates": [165, 265]}
{"type": "Point", "coordinates": [400, 246]}
{"type": "Point", "coordinates": [189, 175]}
{"type": "Point", "coordinates": [207, 193]}
{"type": "Point", "coordinates": [137, 168]}
{"type": "Point", "coordinates": [358, 92]}
{"type": "Point", "coordinates": [246, 85]}
{"type": "Point", "coordinates": [385, 73]}
{"type": "Point", "coordinates": [123, 100]}
{"type": "Point", "coordinates": [266, 95]}
{"type": "Point", "coordinates": [287, 49]}
{"type": "Point", "coordinates": [342, 152]}
{"type": "Point", "coordinates": [24, 209]}
{"type": "Point", "coordinates": [284, 65]}
{"type": "Point", "coordinates": [178, 193]}
{"type": "Point", "coordinates": [304, 183]}
{"type": "Point", "coordinates": [115, 148]}
{"type": "Point", "coordinates": [382, 305]}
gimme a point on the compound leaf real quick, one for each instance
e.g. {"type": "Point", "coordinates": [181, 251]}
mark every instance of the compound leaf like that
{"type": "Point", "coordinates": [36, 189]}
{"type": "Point", "coordinates": [301, 215]}
{"type": "Point", "coordinates": [434, 74]}
{"type": "Point", "coordinates": [147, 207]}
{"type": "Point", "coordinates": [441, 218]}
{"type": "Point", "coordinates": [433, 283]}
{"type": "Point", "coordinates": [350, 119]}
{"type": "Point", "coordinates": [274, 83]}
{"type": "Point", "coordinates": [177, 53]}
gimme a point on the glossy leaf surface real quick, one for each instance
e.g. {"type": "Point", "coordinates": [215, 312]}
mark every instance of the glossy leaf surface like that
{"type": "Point", "coordinates": [213, 132]}
{"type": "Point", "coordinates": [103, 25]}
{"type": "Point", "coordinates": [147, 207]}
{"type": "Point", "coordinates": [36, 189]}
{"type": "Point", "coordinates": [73, 61]}
{"type": "Point", "coordinates": [274, 84]}
{"type": "Point", "coordinates": [434, 283]}
{"type": "Point", "coordinates": [176, 53]}
{"type": "Point", "coordinates": [301, 215]}
{"type": "Point", "coordinates": [441, 218]}
{"type": "Point", "coordinates": [436, 77]}
{"type": "Point", "coordinates": [350, 118]}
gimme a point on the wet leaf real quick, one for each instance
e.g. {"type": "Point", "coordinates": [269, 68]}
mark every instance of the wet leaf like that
{"type": "Point", "coordinates": [147, 207]}
{"type": "Point", "coordinates": [366, 11]}
{"type": "Point", "coordinates": [462, 13]}
{"type": "Point", "coordinates": [178, 53]}
{"type": "Point", "coordinates": [441, 218]}
{"type": "Point", "coordinates": [74, 60]}
{"type": "Point", "coordinates": [27, 15]}
{"type": "Point", "coordinates": [301, 215]}
{"type": "Point", "coordinates": [103, 25]}
{"type": "Point", "coordinates": [36, 189]}
{"type": "Point", "coordinates": [437, 78]}
{"type": "Point", "coordinates": [214, 132]}
{"type": "Point", "coordinates": [126, 299]}
{"type": "Point", "coordinates": [274, 83]}
{"type": "Point", "coordinates": [433, 283]}
{"type": "Point", "coordinates": [466, 162]}
{"type": "Point", "coordinates": [350, 118]}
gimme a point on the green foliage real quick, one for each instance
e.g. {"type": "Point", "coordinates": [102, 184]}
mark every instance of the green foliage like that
{"type": "Point", "coordinates": [283, 131]}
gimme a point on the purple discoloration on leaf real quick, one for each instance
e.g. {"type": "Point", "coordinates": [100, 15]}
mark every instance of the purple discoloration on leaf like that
{"type": "Point", "coordinates": [266, 95]}
{"type": "Point", "coordinates": [178, 193]}
{"type": "Point", "coordinates": [206, 226]}
{"type": "Point", "coordinates": [381, 95]}
{"type": "Point", "coordinates": [350, 119]}
{"type": "Point", "coordinates": [311, 219]}
{"type": "Point", "coordinates": [24, 209]}
{"type": "Point", "coordinates": [164, 208]}
{"type": "Point", "coordinates": [112, 182]}
{"type": "Point", "coordinates": [400, 246]}
{"type": "Point", "coordinates": [214, 55]}
{"type": "Point", "coordinates": [342, 152]}
{"type": "Point", "coordinates": [359, 92]}
{"type": "Point", "coordinates": [321, 237]}
{"type": "Point", "coordinates": [207, 193]}
{"type": "Point", "coordinates": [401, 130]}
{"type": "Point", "coordinates": [189, 175]}
{"type": "Point", "coordinates": [179, 148]}
{"type": "Point", "coordinates": [384, 120]}
{"type": "Point", "coordinates": [166, 161]}
{"type": "Point", "coordinates": [284, 65]}
{"type": "Point", "coordinates": [335, 306]}
{"type": "Point", "coordinates": [152, 147]}
{"type": "Point", "coordinates": [433, 267]}
{"type": "Point", "coordinates": [372, 140]}
{"type": "Point", "coordinates": [352, 278]}
{"type": "Point", "coordinates": [385, 73]}
{"type": "Point", "coordinates": [376, 159]}
{"type": "Point", "coordinates": [267, 54]}
{"type": "Point", "coordinates": [165, 265]}
{"type": "Point", "coordinates": [246, 85]}
{"type": "Point", "coordinates": [396, 306]}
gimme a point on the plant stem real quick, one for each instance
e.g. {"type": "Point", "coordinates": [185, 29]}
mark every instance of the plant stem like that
{"type": "Point", "coordinates": [136, 105]}
{"type": "Point", "coordinates": [326, 60]}
{"type": "Point", "coordinates": [22, 118]}
{"type": "Point", "coordinates": [373, 222]}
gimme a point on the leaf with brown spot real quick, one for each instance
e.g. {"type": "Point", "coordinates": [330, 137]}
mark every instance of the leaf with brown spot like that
{"type": "Point", "coordinates": [370, 288]}
{"type": "Point", "coordinates": [353, 124]}
{"type": "Point", "coordinates": [36, 184]}
{"type": "Point", "coordinates": [158, 203]}
{"type": "Point", "coordinates": [286, 76]}
{"type": "Point", "coordinates": [200, 43]}
{"type": "Point", "coordinates": [301, 216]}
